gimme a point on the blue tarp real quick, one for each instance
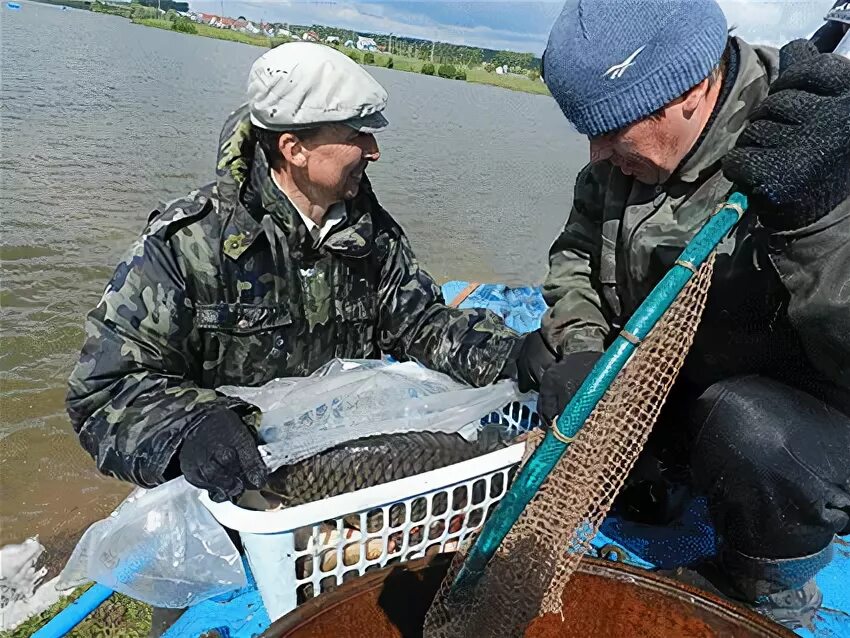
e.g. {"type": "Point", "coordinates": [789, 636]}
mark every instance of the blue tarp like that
{"type": "Point", "coordinates": [522, 308]}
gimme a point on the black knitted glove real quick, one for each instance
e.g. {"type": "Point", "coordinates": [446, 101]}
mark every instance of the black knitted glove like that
{"type": "Point", "coordinates": [561, 381]}
{"type": "Point", "coordinates": [534, 357]}
{"type": "Point", "coordinates": [220, 455]}
{"type": "Point", "coordinates": [793, 159]}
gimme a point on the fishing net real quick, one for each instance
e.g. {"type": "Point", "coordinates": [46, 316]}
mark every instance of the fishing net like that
{"type": "Point", "coordinates": [527, 575]}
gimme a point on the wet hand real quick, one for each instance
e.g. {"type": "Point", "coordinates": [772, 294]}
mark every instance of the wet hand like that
{"type": "Point", "coordinates": [793, 159]}
{"type": "Point", "coordinates": [220, 455]}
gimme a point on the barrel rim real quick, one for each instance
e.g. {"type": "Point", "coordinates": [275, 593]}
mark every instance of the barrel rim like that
{"type": "Point", "coordinates": [590, 566]}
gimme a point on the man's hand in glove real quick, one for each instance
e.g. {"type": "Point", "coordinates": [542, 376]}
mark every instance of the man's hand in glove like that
{"type": "Point", "coordinates": [220, 455]}
{"type": "Point", "coordinates": [532, 360]}
{"type": "Point", "coordinates": [561, 381]}
{"type": "Point", "coordinates": [793, 159]}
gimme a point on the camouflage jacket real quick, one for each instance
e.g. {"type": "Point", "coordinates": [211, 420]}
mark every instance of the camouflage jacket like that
{"type": "Point", "coordinates": [227, 286]}
{"type": "Point", "coordinates": [776, 304]}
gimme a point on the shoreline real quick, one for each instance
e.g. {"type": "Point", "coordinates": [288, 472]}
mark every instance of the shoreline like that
{"type": "Point", "coordinates": [474, 75]}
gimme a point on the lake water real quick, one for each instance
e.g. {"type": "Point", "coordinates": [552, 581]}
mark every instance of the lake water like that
{"type": "Point", "coordinates": [102, 119]}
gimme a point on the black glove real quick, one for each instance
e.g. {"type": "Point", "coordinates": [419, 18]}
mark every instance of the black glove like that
{"type": "Point", "coordinates": [220, 455]}
{"type": "Point", "coordinates": [793, 159]}
{"type": "Point", "coordinates": [532, 360]}
{"type": "Point", "coordinates": [561, 381]}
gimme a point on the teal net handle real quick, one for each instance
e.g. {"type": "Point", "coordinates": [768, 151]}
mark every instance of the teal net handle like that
{"type": "Point", "coordinates": [547, 455]}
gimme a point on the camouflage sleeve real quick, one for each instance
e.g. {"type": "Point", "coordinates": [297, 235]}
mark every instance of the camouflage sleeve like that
{"type": "Point", "coordinates": [814, 266]}
{"type": "Point", "coordinates": [415, 323]}
{"type": "Point", "coordinates": [575, 321]}
{"type": "Point", "coordinates": [131, 396]}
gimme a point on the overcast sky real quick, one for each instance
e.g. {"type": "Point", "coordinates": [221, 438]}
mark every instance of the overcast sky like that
{"type": "Point", "coordinates": [517, 26]}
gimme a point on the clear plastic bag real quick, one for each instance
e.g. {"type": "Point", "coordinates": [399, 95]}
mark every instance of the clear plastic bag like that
{"type": "Point", "coordinates": [160, 546]}
{"type": "Point", "coordinates": [350, 399]}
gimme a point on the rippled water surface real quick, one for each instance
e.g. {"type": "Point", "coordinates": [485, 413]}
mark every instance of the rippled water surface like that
{"type": "Point", "coordinates": [102, 119]}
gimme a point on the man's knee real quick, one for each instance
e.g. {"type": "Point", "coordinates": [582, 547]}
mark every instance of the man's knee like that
{"type": "Point", "coordinates": [754, 419]}
{"type": "Point", "coordinates": [739, 421]}
{"type": "Point", "coordinates": [773, 462]}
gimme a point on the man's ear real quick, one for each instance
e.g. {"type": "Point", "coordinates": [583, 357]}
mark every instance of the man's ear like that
{"type": "Point", "coordinates": [691, 100]}
{"type": "Point", "coordinates": [292, 150]}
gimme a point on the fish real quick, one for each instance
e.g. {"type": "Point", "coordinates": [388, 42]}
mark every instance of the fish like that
{"type": "Point", "coordinates": [377, 459]}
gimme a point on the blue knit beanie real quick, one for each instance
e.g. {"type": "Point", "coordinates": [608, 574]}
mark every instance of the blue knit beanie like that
{"type": "Point", "coordinates": [609, 63]}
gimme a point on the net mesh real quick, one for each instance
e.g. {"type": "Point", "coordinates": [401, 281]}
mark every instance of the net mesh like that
{"type": "Point", "coordinates": [527, 575]}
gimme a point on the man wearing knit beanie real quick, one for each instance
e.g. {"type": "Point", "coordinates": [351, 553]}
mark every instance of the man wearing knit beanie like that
{"type": "Point", "coordinates": [678, 114]}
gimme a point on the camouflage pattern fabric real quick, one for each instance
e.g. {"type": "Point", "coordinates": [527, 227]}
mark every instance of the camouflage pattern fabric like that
{"type": "Point", "coordinates": [227, 286]}
{"type": "Point", "coordinates": [776, 306]}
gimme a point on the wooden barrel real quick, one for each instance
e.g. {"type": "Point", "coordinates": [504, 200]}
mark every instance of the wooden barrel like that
{"type": "Point", "coordinates": [603, 599]}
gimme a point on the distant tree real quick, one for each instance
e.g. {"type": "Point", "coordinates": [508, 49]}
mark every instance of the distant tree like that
{"type": "Point", "coordinates": [461, 74]}
{"type": "Point", "coordinates": [447, 71]}
{"type": "Point", "coordinates": [489, 67]}
{"type": "Point", "coordinates": [183, 26]}
{"type": "Point", "coordinates": [368, 58]}
{"type": "Point", "coordinates": [165, 5]}
{"type": "Point", "coordinates": [427, 69]}
{"type": "Point", "coordinates": [390, 62]}
{"type": "Point", "coordinates": [521, 61]}
{"type": "Point", "coordinates": [242, 18]}
{"type": "Point", "coordinates": [534, 75]}
{"type": "Point", "coordinates": [144, 13]}
{"type": "Point", "coordinates": [171, 15]}
{"type": "Point", "coordinates": [353, 55]}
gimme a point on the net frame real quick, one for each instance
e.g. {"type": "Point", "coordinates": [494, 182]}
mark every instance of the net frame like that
{"type": "Point", "coordinates": [527, 575]}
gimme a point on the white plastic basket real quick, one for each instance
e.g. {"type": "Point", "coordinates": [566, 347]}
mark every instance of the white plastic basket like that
{"type": "Point", "coordinates": [302, 551]}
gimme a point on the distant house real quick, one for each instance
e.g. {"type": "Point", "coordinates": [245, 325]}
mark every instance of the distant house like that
{"type": "Point", "coordinates": [349, 43]}
{"type": "Point", "coordinates": [205, 18]}
{"type": "Point", "coordinates": [502, 70]}
{"type": "Point", "coordinates": [310, 36]}
{"type": "Point", "coordinates": [332, 39]}
{"type": "Point", "coordinates": [251, 28]}
{"type": "Point", "coordinates": [366, 44]}
{"type": "Point", "coordinates": [225, 23]}
{"type": "Point", "coordinates": [285, 32]}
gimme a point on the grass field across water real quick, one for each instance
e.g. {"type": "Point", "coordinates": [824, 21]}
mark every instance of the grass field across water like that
{"type": "Point", "coordinates": [400, 63]}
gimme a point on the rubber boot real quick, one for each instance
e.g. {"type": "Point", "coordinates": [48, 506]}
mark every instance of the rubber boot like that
{"type": "Point", "coordinates": [784, 590]}
{"type": "Point", "coordinates": [781, 589]}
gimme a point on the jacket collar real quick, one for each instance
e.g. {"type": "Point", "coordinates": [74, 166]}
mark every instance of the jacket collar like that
{"type": "Point", "coordinates": [754, 73]}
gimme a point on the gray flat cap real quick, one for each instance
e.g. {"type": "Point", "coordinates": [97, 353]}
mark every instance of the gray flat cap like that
{"type": "Point", "coordinates": [303, 84]}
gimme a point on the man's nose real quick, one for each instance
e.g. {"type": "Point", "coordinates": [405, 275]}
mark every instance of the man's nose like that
{"type": "Point", "coordinates": [371, 152]}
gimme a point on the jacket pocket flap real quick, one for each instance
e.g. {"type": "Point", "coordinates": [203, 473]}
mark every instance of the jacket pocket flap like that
{"type": "Point", "coordinates": [240, 318]}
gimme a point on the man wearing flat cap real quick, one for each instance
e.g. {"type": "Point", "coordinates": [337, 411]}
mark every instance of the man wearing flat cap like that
{"type": "Point", "coordinates": [285, 262]}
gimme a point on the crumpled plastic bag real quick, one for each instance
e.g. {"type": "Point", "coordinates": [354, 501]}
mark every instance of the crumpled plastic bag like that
{"type": "Point", "coordinates": [346, 400]}
{"type": "Point", "coordinates": [160, 546]}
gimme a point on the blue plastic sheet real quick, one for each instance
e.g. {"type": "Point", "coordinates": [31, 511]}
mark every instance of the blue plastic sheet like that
{"type": "Point", "coordinates": [521, 308]}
